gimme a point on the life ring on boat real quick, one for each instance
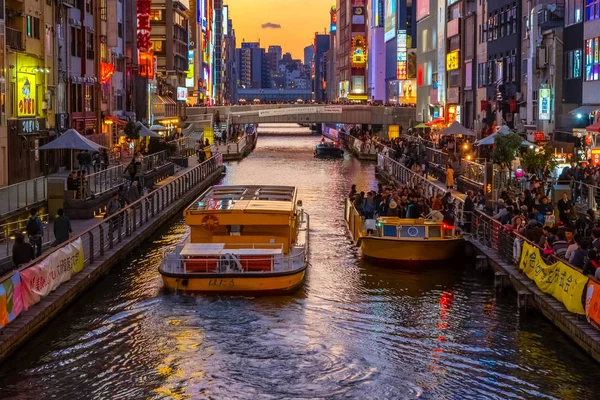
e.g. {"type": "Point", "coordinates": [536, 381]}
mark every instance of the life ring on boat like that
{"type": "Point", "coordinates": [210, 222]}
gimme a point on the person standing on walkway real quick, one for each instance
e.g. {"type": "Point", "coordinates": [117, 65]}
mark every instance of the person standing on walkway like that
{"type": "Point", "coordinates": [62, 228]}
{"type": "Point", "coordinates": [132, 169]}
{"type": "Point", "coordinates": [22, 252]}
{"type": "Point", "coordinates": [449, 177]}
{"type": "Point", "coordinates": [35, 232]}
{"type": "Point", "coordinates": [113, 207]}
{"type": "Point", "coordinates": [133, 194]}
{"type": "Point", "coordinates": [105, 161]}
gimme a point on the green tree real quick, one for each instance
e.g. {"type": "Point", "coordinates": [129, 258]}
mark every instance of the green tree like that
{"type": "Point", "coordinates": [132, 131]}
{"type": "Point", "coordinates": [535, 162]}
{"type": "Point", "coordinates": [506, 147]}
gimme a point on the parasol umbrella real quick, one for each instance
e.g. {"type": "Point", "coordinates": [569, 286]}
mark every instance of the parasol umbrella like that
{"type": "Point", "coordinates": [158, 128]}
{"type": "Point", "coordinates": [72, 140]}
{"type": "Point", "coordinates": [421, 126]}
{"type": "Point", "coordinates": [144, 131]}
{"type": "Point", "coordinates": [456, 129]}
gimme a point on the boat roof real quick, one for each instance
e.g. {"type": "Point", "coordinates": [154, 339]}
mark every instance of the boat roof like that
{"type": "Point", "coordinates": [218, 249]}
{"type": "Point", "coordinates": [246, 197]}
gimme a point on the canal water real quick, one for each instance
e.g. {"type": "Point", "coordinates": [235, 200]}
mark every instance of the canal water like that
{"type": "Point", "coordinates": [355, 331]}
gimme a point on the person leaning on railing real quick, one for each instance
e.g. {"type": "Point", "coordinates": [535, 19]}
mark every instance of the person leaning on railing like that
{"type": "Point", "coordinates": [22, 252]}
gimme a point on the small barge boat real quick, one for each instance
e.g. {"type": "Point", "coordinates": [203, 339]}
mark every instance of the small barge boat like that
{"type": "Point", "coordinates": [403, 240]}
{"type": "Point", "coordinates": [328, 150]}
{"type": "Point", "coordinates": [243, 240]}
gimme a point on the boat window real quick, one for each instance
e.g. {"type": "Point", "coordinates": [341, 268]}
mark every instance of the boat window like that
{"type": "Point", "coordinates": [435, 231]}
{"type": "Point", "coordinates": [235, 230]}
{"type": "Point", "coordinates": [390, 230]}
{"type": "Point", "coordinates": [412, 231]}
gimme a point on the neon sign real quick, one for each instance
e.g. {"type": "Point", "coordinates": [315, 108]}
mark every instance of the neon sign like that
{"type": "Point", "coordinates": [401, 55]}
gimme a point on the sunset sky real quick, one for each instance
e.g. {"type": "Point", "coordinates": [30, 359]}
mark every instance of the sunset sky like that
{"type": "Point", "coordinates": [299, 20]}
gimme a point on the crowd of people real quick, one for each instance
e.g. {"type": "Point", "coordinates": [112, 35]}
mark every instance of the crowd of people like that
{"type": "Point", "coordinates": [403, 202]}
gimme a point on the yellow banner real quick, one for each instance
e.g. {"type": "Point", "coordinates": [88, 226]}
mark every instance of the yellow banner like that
{"type": "Point", "coordinates": [559, 280]}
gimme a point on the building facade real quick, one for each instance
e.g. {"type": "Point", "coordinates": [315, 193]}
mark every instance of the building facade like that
{"type": "Point", "coordinates": [352, 56]}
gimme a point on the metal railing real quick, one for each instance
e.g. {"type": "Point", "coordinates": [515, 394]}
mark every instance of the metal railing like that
{"type": "Point", "coordinates": [472, 171]}
{"type": "Point", "coordinates": [186, 146]}
{"type": "Point", "coordinates": [103, 181]}
{"type": "Point", "coordinates": [111, 231]}
{"type": "Point", "coordinates": [437, 157]}
{"type": "Point", "coordinates": [10, 229]}
{"type": "Point", "coordinates": [23, 194]}
{"type": "Point", "coordinates": [367, 147]}
{"type": "Point", "coordinates": [153, 161]}
{"type": "Point", "coordinates": [490, 233]}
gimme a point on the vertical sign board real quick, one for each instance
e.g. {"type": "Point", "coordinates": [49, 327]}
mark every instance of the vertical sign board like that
{"type": "Point", "coordinates": [544, 101]}
{"type": "Point", "coordinates": [401, 55]}
{"type": "Point", "coordinates": [390, 19]}
{"type": "Point", "coordinates": [488, 181]}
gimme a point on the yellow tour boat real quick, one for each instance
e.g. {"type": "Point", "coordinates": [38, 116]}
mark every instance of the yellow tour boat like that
{"type": "Point", "coordinates": [243, 240]}
{"type": "Point", "coordinates": [403, 240]}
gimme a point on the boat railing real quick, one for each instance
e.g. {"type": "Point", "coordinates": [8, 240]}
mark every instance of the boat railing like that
{"type": "Point", "coordinates": [173, 262]}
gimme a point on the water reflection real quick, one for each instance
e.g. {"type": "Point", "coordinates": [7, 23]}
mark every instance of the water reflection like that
{"type": "Point", "coordinates": [355, 330]}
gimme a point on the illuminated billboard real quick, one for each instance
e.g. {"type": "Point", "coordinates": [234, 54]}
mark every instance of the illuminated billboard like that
{"type": "Point", "coordinates": [143, 8]}
{"type": "Point", "coordinates": [182, 94]}
{"type": "Point", "coordinates": [401, 65]}
{"type": "Point", "coordinates": [452, 60]}
{"type": "Point", "coordinates": [189, 78]}
{"type": "Point", "coordinates": [26, 91]}
{"type": "Point", "coordinates": [225, 18]}
{"type": "Point", "coordinates": [390, 19]}
{"type": "Point", "coordinates": [359, 51]}
{"type": "Point", "coordinates": [333, 20]}
{"type": "Point", "coordinates": [544, 99]}
{"type": "Point", "coordinates": [358, 15]}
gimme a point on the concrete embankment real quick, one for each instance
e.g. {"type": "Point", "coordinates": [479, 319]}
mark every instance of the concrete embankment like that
{"type": "Point", "coordinates": [110, 241]}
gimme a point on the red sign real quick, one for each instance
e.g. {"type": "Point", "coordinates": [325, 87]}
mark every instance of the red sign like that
{"type": "Point", "coordinates": [146, 63]}
{"type": "Point", "coordinates": [539, 136]}
{"type": "Point", "coordinates": [596, 156]}
{"type": "Point", "coordinates": [106, 70]}
{"type": "Point", "coordinates": [143, 25]}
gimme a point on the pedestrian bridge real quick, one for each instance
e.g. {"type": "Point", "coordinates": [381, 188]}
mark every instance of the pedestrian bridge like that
{"type": "Point", "coordinates": [303, 114]}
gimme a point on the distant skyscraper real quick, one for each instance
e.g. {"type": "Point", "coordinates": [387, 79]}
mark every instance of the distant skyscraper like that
{"type": "Point", "coordinates": [319, 73]}
{"type": "Point", "coordinates": [309, 53]}
{"type": "Point", "coordinates": [277, 51]}
{"type": "Point", "coordinates": [253, 68]}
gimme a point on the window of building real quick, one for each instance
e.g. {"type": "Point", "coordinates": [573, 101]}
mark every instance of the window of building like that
{"type": "Point", "coordinates": [502, 22]}
{"type": "Point", "coordinates": [89, 98]}
{"type": "Point", "coordinates": [120, 29]}
{"type": "Point", "coordinates": [573, 64]}
{"type": "Point", "coordinates": [103, 49]}
{"type": "Point", "coordinates": [33, 27]}
{"type": "Point", "coordinates": [592, 10]}
{"type": "Point", "coordinates": [156, 15]}
{"type": "Point", "coordinates": [89, 6]}
{"type": "Point", "coordinates": [156, 45]}
{"type": "Point", "coordinates": [76, 41]}
{"type": "Point", "coordinates": [103, 10]}
{"type": "Point", "coordinates": [76, 97]}
{"type": "Point", "coordinates": [592, 59]}
{"type": "Point", "coordinates": [573, 12]}
{"type": "Point", "coordinates": [89, 46]}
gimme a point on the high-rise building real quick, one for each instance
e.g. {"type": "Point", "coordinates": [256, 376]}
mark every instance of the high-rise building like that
{"type": "Point", "coordinates": [352, 50]}
{"type": "Point", "coordinates": [253, 66]}
{"type": "Point", "coordinates": [309, 53]}
{"type": "Point", "coordinates": [376, 65]}
{"type": "Point", "coordinates": [319, 83]}
{"type": "Point", "coordinates": [431, 59]}
{"type": "Point", "coordinates": [331, 56]}
{"type": "Point", "coordinates": [274, 54]}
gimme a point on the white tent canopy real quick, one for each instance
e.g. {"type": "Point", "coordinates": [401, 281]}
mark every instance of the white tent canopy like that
{"type": "Point", "coordinates": [158, 128]}
{"type": "Point", "coordinates": [144, 131]}
{"type": "Point", "coordinates": [72, 140]}
{"type": "Point", "coordinates": [490, 140]}
{"type": "Point", "coordinates": [456, 129]}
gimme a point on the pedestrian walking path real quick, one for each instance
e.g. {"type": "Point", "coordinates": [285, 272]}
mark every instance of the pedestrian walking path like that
{"type": "Point", "coordinates": [80, 225]}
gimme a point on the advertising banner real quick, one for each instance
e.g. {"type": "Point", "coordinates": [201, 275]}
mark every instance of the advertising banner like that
{"type": "Point", "coordinates": [26, 92]}
{"type": "Point", "coordinates": [544, 105]}
{"type": "Point", "coordinates": [390, 19]}
{"type": "Point", "coordinates": [11, 299]}
{"type": "Point", "coordinates": [182, 93]}
{"type": "Point", "coordinates": [559, 280]}
{"type": "Point", "coordinates": [41, 279]}
{"type": "Point", "coordinates": [452, 60]}
{"type": "Point", "coordinates": [401, 70]}
{"type": "Point", "coordinates": [592, 303]}
{"type": "Point", "coordinates": [359, 51]}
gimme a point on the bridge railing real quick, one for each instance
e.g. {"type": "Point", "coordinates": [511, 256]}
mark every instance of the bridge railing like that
{"type": "Point", "coordinates": [472, 171]}
{"type": "Point", "coordinates": [100, 239]}
{"type": "Point", "coordinates": [156, 160]}
{"type": "Point", "coordinates": [23, 194]}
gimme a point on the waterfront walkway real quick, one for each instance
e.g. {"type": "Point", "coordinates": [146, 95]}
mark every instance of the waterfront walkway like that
{"type": "Point", "coordinates": [104, 244]}
{"type": "Point", "coordinates": [501, 249]}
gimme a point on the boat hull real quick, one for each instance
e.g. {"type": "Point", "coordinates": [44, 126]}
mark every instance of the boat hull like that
{"type": "Point", "coordinates": [235, 284]}
{"type": "Point", "coordinates": [410, 250]}
{"type": "Point", "coordinates": [329, 152]}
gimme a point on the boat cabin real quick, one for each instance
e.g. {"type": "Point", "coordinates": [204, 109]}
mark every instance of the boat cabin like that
{"type": "Point", "coordinates": [407, 228]}
{"type": "Point", "coordinates": [238, 216]}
